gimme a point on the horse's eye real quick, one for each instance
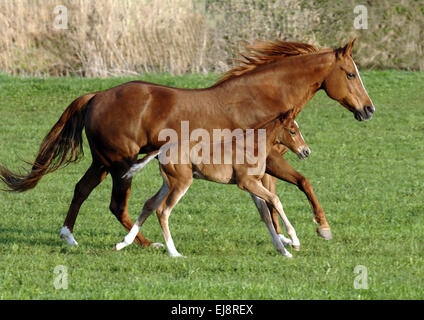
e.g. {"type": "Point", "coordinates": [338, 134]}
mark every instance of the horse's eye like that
{"type": "Point", "coordinates": [292, 132]}
{"type": "Point", "coordinates": [351, 76]}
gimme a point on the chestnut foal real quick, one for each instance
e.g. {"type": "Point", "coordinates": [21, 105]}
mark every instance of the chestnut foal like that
{"type": "Point", "coordinates": [177, 178]}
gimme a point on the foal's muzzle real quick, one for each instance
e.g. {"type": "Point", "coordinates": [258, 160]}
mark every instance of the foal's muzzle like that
{"type": "Point", "coordinates": [365, 114]}
{"type": "Point", "coordinates": [304, 153]}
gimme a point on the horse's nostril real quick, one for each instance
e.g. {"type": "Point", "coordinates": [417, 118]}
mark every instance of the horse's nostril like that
{"type": "Point", "coordinates": [369, 109]}
{"type": "Point", "coordinates": [307, 152]}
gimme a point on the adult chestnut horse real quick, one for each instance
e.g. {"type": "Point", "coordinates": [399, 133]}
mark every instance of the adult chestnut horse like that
{"type": "Point", "coordinates": [126, 120]}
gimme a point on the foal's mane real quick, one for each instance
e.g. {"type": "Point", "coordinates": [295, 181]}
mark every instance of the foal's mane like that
{"type": "Point", "coordinates": [264, 123]}
{"type": "Point", "coordinates": [270, 120]}
{"type": "Point", "coordinates": [264, 52]}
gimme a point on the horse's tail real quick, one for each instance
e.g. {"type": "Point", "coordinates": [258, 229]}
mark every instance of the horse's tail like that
{"type": "Point", "coordinates": [61, 146]}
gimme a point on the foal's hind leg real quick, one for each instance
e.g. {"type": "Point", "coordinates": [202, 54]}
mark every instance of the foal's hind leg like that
{"type": "Point", "coordinates": [270, 183]}
{"type": "Point", "coordinates": [266, 217]}
{"type": "Point", "coordinates": [151, 205]}
{"type": "Point", "coordinates": [177, 189]}
{"type": "Point", "coordinates": [91, 179]}
{"type": "Point", "coordinates": [256, 188]}
{"type": "Point", "coordinates": [264, 211]}
{"type": "Point", "coordinates": [119, 203]}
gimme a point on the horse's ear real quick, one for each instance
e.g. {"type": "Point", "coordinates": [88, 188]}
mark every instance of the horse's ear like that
{"type": "Point", "coordinates": [349, 47]}
{"type": "Point", "coordinates": [346, 50]}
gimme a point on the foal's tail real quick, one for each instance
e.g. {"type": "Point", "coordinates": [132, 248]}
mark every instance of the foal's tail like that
{"type": "Point", "coordinates": [61, 146]}
{"type": "Point", "coordinates": [140, 164]}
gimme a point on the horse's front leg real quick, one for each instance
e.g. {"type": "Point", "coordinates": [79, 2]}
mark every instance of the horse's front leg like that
{"type": "Point", "coordinates": [278, 167]}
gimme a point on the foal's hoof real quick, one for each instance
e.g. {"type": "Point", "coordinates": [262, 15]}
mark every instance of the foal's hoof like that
{"type": "Point", "coordinates": [119, 246]}
{"type": "Point", "coordinates": [285, 241]}
{"type": "Point", "coordinates": [296, 247]}
{"type": "Point", "coordinates": [287, 254]}
{"type": "Point", "coordinates": [324, 233]}
{"type": "Point", "coordinates": [156, 245]}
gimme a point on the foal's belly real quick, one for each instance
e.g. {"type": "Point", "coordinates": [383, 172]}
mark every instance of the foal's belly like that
{"type": "Point", "coordinates": [221, 173]}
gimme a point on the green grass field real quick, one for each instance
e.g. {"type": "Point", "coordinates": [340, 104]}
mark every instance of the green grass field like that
{"type": "Point", "coordinates": [368, 176]}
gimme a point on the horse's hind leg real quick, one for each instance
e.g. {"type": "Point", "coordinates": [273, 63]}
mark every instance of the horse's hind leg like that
{"type": "Point", "coordinates": [119, 203]}
{"type": "Point", "coordinates": [150, 205]}
{"type": "Point", "coordinates": [91, 179]}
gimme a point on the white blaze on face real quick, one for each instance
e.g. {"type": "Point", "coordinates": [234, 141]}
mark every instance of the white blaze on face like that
{"type": "Point", "coordinates": [360, 80]}
{"type": "Point", "coordinates": [298, 129]}
{"type": "Point", "coordinates": [301, 135]}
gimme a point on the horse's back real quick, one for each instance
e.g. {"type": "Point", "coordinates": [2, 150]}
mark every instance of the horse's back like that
{"type": "Point", "coordinates": [114, 117]}
{"type": "Point", "coordinates": [130, 116]}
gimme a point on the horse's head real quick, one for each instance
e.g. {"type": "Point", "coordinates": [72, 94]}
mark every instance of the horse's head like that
{"type": "Point", "coordinates": [344, 84]}
{"type": "Point", "coordinates": [291, 137]}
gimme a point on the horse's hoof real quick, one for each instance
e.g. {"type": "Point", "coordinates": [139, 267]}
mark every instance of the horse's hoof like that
{"type": "Point", "coordinates": [296, 247]}
{"type": "Point", "coordinates": [325, 233]}
{"type": "Point", "coordinates": [156, 245]}
{"type": "Point", "coordinates": [71, 242]}
{"type": "Point", "coordinates": [68, 236]}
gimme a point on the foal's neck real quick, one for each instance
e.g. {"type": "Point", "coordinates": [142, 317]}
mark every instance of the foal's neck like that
{"type": "Point", "coordinates": [272, 130]}
{"type": "Point", "coordinates": [272, 127]}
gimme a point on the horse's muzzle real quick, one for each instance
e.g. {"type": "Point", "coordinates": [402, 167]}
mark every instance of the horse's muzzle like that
{"type": "Point", "coordinates": [369, 111]}
{"type": "Point", "coordinates": [304, 153]}
{"type": "Point", "coordinates": [365, 114]}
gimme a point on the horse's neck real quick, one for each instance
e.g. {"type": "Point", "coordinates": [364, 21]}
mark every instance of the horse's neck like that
{"type": "Point", "coordinates": [278, 87]}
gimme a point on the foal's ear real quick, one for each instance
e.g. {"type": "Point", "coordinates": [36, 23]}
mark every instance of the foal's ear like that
{"type": "Point", "coordinates": [286, 116]}
{"type": "Point", "coordinates": [346, 50]}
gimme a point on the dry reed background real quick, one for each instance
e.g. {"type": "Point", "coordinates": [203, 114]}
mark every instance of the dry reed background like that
{"type": "Point", "coordinates": [124, 37]}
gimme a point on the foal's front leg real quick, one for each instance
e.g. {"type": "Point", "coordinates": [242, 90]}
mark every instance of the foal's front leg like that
{"type": "Point", "coordinates": [277, 166]}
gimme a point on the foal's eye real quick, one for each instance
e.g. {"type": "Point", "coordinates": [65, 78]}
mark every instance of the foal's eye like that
{"type": "Point", "coordinates": [351, 76]}
{"type": "Point", "coordinates": [292, 132]}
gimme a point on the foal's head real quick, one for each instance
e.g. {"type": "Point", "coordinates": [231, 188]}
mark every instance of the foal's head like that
{"type": "Point", "coordinates": [290, 136]}
{"type": "Point", "coordinates": [344, 84]}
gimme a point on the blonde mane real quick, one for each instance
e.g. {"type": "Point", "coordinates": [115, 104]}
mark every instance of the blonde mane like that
{"type": "Point", "coordinates": [264, 52]}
